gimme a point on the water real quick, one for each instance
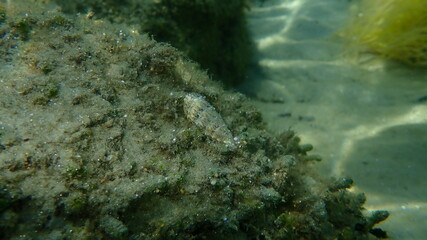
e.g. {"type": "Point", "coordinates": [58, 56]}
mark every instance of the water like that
{"type": "Point", "coordinates": [366, 117]}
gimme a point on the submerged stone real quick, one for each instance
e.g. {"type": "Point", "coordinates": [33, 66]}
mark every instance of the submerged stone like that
{"type": "Point", "coordinates": [111, 154]}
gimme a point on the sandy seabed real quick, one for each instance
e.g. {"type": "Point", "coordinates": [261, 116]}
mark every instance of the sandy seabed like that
{"type": "Point", "coordinates": [367, 118]}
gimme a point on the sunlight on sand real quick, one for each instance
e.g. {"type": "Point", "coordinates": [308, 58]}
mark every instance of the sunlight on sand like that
{"type": "Point", "coordinates": [363, 115]}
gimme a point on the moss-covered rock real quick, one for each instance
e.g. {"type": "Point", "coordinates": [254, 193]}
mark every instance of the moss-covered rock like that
{"type": "Point", "coordinates": [112, 154]}
{"type": "Point", "coordinates": [210, 32]}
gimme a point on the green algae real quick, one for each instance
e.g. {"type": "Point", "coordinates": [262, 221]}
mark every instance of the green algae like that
{"type": "Point", "coordinates": [395, 29]}
{"type": "Point", "coordinates": [2, 14]}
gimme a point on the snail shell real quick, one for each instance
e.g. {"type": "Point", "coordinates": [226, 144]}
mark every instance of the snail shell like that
{"type": "Point", "coordinates": [204, 115]}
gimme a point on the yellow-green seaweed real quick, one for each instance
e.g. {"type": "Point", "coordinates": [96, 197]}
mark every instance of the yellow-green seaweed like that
{"type": "Point", "coordinates": [395, 29]}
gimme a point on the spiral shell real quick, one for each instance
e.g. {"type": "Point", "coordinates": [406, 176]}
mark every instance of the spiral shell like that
{"type": "Point", "coordinates": [204, 115]}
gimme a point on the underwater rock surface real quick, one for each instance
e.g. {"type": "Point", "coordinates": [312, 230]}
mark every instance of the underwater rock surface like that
{"type": "Point", "coordinates": [211, 32]}
{"type": "Point", "coordinates": [95, 144]}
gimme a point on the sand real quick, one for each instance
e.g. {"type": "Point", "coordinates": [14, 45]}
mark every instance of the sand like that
{"type": "Point", "coordinates": [366, 117]}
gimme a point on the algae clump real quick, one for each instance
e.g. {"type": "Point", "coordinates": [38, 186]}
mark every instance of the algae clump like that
{"type": "Point", "coordinates": [395, 29]}
{"type": "Point", "coordinates": [2, 14]}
